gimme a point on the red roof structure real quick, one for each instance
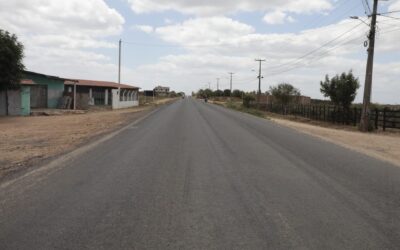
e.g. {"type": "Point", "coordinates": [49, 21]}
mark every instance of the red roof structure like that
{"type": "Point", "coordinates": [93, 83]}
{"type": "Point", "coordinates": [27, 82]}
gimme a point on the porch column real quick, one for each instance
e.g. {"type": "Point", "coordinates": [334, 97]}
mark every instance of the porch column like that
{"type": "Point", "coordinates": [106, 97]}
{"type": "Point", "coordinates": [74, 95]}
{"type": "Point", "coordinates": [90, 96]}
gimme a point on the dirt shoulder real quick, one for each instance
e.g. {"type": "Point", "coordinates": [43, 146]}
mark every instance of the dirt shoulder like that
{"type": "Point", "coordinates": [381, 145]}
{"type": "Point", "coordinates": [27, 141]}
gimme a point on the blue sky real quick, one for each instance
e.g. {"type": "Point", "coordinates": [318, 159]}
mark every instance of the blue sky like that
{"type": "Point", "coordinates": [185, 44]}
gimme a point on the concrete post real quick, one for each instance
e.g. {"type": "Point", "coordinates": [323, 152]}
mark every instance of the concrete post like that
{"type": "Point", "coordinates": [74, 95]}
{"type": "Point", "coordinates": [106, 97]}
{"type": "Point", "coordinates": [90, 96]}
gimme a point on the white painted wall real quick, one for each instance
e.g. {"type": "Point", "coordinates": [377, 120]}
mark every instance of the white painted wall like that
{"type": "Point", "coordinates": [129, 100]}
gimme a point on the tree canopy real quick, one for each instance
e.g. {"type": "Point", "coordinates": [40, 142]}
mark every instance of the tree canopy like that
{"type": "Point", "coordinates": [227, 92]}
{"type": "Point", "coordinates": [11, 65]}
{"type": "Point", "coordinates": [341, 89]}
{"type": "Point", "coordinates": [284, 92]}
{"type": "Point", "coordinates": [237, 93]}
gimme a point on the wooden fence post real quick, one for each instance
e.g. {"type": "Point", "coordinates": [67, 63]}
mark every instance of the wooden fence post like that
{"type": "Point", "coordinates": [384, 118]}
{"type": "Point", "coordinates": [376, 118]}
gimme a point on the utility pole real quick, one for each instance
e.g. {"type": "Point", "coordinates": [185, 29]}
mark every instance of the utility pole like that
{"type": "Point", "coordinates": [209, 85]}
{"type": "Point", "coordinates": [365, 115]}
{"type": "Point", "coordinates": [259, 82]}
{"type": "Point", "coordinates": [217, 83]}
{"type": "Point", "coordinates": [231, 73]}
{"type": "Point", "coordinates": [119, 67]}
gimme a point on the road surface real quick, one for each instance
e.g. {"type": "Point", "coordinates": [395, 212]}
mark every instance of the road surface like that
{"type": "Point", "coordinates": [197, 176]}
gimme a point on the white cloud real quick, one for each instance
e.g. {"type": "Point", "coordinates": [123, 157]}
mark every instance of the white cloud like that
{"type": "Point", "coordinates": [203, 31]}
{"type": "Point", "coordinates": [91, 17]}
{"type": "Point", "coordinates": [57, 34]}
{"type": "Point", "coordinates": [168, 21]}
{"type": "Point", "coordinates": [217, 45]}
{"type": "Point", "coordinates": [394, 6]}
{"type": "Point", "coordinates": [222, 7]}
{"type": "Point", "coordinates": [277, 17]}
{"type": "Point", "coordinates": [145, 28]}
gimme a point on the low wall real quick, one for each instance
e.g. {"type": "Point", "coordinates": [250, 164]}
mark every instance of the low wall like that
{"type": "Point", "coordinates": [128, 100]}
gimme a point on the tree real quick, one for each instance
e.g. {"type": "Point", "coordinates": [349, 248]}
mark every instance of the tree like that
{"type": "Point", "coordinates": [218, 93]}
{"type": "Point", "coordinates": [227, 92]}
{"type": "Point", "coordinates": [237, 93]}
{"type": "Point", "coordinates": [284, 92]}
{"type": "Point", "coordinates": [342, 90]}
{"type": "Point", "coordinates": [172, 94]}
{"type": "Point", "coordinates": [247, 99]}
{"type": "Point", "coordinates": [11, 66]}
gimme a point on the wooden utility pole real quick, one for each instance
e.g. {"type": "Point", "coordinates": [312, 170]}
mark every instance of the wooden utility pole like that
{"type": "Point", "coordinates": [119, 66]}
{"type": "Point", "coordinates": [259, 82]}
{"type": "Point", "coordinates": [231, 73]}
{"type": "Point", "coordinates": [365, 115]}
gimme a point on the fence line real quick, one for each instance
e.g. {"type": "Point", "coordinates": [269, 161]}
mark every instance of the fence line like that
{"type": "Point", "coordinates": [380, 118]}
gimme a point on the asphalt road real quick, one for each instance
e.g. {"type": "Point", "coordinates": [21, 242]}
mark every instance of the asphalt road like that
{"type": "Point", "coordinates": [198, 176]}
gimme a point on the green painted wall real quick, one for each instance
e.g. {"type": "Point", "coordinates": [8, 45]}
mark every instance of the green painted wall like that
{"type": "Point", "coordinates": [25, 100]}
{"type": "Point", "coordinates": [55, 87]}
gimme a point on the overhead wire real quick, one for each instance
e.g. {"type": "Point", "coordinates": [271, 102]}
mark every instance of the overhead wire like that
{"type": "Point", "coordinates": [311, 61]}
{"type": "Point", "coordinates": [295, 61]}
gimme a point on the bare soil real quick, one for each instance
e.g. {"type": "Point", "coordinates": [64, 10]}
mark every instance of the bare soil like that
{"type": "Point", "coordinates": [26, 141]}
{"type": "Point", "coordinates": [381, 145]}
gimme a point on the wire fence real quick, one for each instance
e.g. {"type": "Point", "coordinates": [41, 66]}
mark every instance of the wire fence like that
{"type": "Point", "coordinates": [380, 118]}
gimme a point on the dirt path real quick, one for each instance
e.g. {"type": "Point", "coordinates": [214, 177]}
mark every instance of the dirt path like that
{"type": "Point", "coordinates": [384, 146]}
{"type": "Point", "coordinates": [26, 141]}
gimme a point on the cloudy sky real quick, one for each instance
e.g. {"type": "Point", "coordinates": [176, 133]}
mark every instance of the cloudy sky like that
{"type": "Point", "coordinates": [186, 44]}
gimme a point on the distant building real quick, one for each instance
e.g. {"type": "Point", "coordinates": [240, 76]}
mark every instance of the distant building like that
{"type": "Point", "coordinates": [148, 93]}
{"type": "Point", "coordinates": [161, 91]}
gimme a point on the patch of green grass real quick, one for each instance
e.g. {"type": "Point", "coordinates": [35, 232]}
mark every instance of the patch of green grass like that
{"type": "Point", "coordinates": [241, 108]}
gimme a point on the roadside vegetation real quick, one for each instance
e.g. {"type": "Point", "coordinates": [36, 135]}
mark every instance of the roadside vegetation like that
{"type": "Point", "coordinates": [286, 101]}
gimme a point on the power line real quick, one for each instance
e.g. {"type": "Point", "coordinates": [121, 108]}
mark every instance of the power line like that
{"type": "Point", "coordinates": [321, 56]}
{"type": "Point", "coordinates": [392, 17]}
{"type": "Point", "coordinates": [390, 31]}
{"type": "Point", "coordinates": [390, 12]}
{"type": "Point", "coordinates": [315, 50]}
{"type": "Point", "coordinates": [368, 6]}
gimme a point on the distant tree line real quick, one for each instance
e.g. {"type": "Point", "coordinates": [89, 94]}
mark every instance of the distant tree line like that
{"type": "Point", "coordinates": [341, 89]}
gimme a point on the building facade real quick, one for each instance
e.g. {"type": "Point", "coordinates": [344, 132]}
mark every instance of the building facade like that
{"type": "Point", "coordinates": [161, 91]}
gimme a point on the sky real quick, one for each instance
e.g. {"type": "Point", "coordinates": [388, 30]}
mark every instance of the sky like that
{"type": "Point", "coordinates": [188, 44]}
